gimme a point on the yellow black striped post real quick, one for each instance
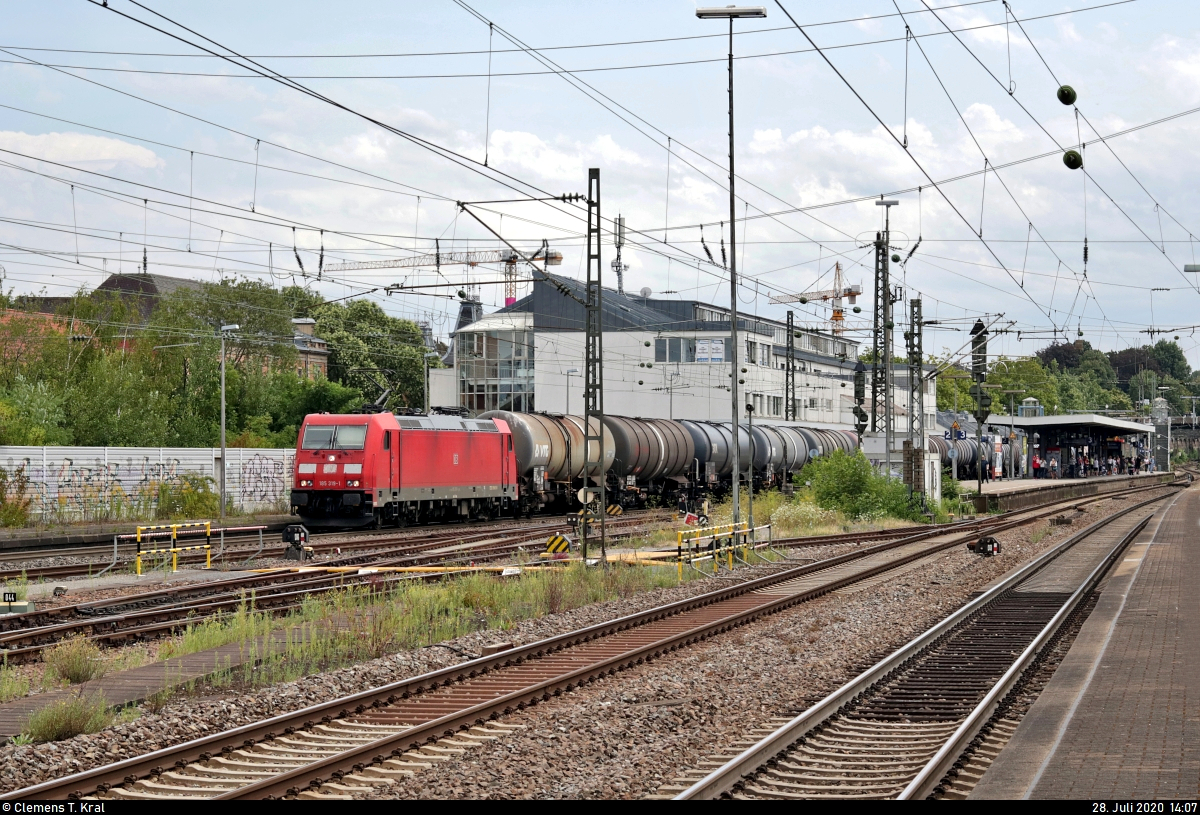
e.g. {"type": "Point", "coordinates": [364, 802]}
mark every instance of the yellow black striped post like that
{"type": "Point", "coordinates": [558, 544]}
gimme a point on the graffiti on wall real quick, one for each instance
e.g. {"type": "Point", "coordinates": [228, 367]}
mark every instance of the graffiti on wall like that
{"type": "Point", "coordinates": [82, 483]}
{"type": "Point", "coordinates": [263, 480]}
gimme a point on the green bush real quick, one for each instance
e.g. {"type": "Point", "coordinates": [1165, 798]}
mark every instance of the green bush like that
{"type": "Point", "coordinates": [191, 497]}
{"type": "Point", "coordinates": [14, 503]}
{"type": "Point", "coordinates": [950, 490]}
{"type": "Point", "coordinates": [76, 660]}
{"type": "Point", "coordinates": [848, 483]}
{"type": "Point", "coordinates": [68, 718]}
{"type": "Point", "coordinates": [12, 684]}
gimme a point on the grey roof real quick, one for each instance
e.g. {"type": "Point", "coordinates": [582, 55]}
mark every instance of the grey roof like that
{"type": "Point", "coordinates": [555, 308]}
{"type": "Point", "coordinates": [150, 284]}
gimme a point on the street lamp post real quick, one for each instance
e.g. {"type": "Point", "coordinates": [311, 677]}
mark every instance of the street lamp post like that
{"type": "Point", "coordinates": [425, 359]}
{"type": "Point", "coordinates": [732, 13]}
{"type": "Point", "coordinates": [225, 329]}
{"type": "Point", "coordinates": [569, 372]}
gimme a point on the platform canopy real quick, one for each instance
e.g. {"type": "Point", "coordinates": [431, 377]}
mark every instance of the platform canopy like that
{"type": "Point", "coordinates": [1091, 420]}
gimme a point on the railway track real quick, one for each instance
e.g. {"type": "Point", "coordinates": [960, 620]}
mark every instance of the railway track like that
{"type": "Point", "coordinates": [370, 544]}
{"type": "Point", "coordinates": [163, 611]}
{"type": "Point", "coordinates": [348, 744]}
{"type": "Point", "coordinates": [901, 728]}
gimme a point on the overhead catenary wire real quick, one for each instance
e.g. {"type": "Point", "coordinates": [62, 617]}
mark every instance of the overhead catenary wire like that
{"type": "Point", "coordinates": [498, 177]}
{"type": "Point", "coordinates": [920, 167]}
{"type": "Point", "coordinates": [599, 69]}
{"type": "Point", "coordinates": [1195, 286]}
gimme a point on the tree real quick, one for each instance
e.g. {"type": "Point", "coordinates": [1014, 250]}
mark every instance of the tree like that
{"type": "Point", "coordinates": [32, 413]}
{"type": "Point", "coordinates": [1068, 355]}
{"type": "Point", "coordinates": [1026, 374]}
{"type": "Point", "coordinates": [1171, 360]}
{"type": "Point", "coordinates": [361, 336]}
{"type": "Point", "coordinates": [1130, 361]}
{"type": "Point", "coordinates": [1144, 385]}
{"type": "Point", "coordinates": [1097, 363]}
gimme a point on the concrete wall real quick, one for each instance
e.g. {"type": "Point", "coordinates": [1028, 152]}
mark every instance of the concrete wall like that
{"type": "Point", "coordinates": [100, 483]}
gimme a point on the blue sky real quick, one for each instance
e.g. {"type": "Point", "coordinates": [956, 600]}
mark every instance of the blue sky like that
{"type": "Point", "coordinates": [803, 141]}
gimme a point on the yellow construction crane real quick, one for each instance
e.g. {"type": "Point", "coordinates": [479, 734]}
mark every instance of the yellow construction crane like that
{"type": "Point", "coordinates": [839, 291]}
{"type": "Point", "coordinates": [508, 257]}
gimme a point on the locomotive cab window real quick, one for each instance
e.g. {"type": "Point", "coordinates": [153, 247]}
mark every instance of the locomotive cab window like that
{"type": "Point", "coordinates": [335, 437]}
{"type": "Point", "coordinates": [318, 437]}
{"type": "Point", "coordinates": [387, 440]}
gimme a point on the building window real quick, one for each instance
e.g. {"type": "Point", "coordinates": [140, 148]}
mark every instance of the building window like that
{"type": "Point", "coordinates": [751, 352]}
{"type": "Point", "coordinates": [776, 405]}
{"type": "Point", "coordinates": [710, 350]}
{"type": "Point", "coordinates": [495, 370]}
{"type": "Point", "coordinates": [764, 354]}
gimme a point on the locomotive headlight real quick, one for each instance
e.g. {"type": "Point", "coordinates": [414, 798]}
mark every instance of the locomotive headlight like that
{"type": "Point", "coordinates": [305, 483]}
{"type": "Point", "coordinates": [353, 483]}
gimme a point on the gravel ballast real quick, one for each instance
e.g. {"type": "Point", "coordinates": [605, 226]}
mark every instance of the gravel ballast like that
{"type": "Point", "coordinates": [603, 740]}
{"type": "Point", "coordinates": [626, 736]}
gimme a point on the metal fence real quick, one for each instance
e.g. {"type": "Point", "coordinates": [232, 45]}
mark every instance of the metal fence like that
{"type": "Point", "coordinates": [86, 483]}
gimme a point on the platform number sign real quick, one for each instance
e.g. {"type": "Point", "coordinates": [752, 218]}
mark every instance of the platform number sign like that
{"type": "Point", "coordinates": [10, 597]}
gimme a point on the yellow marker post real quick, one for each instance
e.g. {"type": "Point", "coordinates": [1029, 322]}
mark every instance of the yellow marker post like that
{"type": "Point", "coordinates": [208, 557]}
{"type": "Point", "coordinates": [174, 560]}
{"type": "Point", "coordinates": [137, 564]}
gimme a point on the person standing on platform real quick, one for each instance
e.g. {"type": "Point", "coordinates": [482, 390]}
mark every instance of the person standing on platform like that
{"type": "Point", "coordinates": [1054, 468]}
{"type": "Point", "coordinates": [1037, 467]}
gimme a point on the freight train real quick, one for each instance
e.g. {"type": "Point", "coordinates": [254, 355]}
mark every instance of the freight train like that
{"type": "Point", "coordinates": [380, 469]}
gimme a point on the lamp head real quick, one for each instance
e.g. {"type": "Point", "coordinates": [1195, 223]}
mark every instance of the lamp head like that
{"type": "Point", "coordinates": [731, 12]}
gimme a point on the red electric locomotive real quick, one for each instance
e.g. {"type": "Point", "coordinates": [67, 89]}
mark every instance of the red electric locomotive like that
{"type": "Point", "coordinates": [373, 469]}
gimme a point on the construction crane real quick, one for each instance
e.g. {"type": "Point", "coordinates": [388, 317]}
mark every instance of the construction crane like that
{"type": "Point", "coordinates": [508, 257]}
{"type": "Point", "coordinates": [839, 290]}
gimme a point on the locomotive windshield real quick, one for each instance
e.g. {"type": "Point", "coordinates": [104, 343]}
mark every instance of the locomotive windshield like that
{"type": "Point", "coordinates": [335, 437]}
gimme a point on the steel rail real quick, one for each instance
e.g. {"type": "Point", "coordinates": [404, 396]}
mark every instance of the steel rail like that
{"type": "Point", "coordinates": [725, 778]}
{"type": "Point", "coordinates": [932, 773]}
{"type": "Point", "coordinates": [201, 749]}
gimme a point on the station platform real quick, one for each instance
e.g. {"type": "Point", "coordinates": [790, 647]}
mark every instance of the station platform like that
{"type": "Point", "coordinates": [1018, 494]}
{"type": "Point", "coordinates": [1120, 718]}
{"type": "Point", "coordinates": [1008, 485]}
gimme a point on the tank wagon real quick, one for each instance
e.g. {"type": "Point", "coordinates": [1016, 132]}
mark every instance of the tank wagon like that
{"type": "Point", "coordinates": [655, 459]}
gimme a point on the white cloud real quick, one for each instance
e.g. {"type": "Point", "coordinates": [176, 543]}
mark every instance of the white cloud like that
{"type": "Point", "coordinates": [511, 149]}
{"type": "Point", "coordinates": [767, 141]}
{"type": "Point", "coordinates": [79, 148]}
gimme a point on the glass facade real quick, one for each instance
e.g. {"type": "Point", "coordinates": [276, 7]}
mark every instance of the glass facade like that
{"type": "Point", "coordinates": [495, 370]}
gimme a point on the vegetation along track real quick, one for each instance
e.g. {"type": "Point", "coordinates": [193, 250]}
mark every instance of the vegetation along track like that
{"type": "Point", "coordinates": [372, 736]}
{"type": "Point", "coordinates": [901, 728]}
{"type": "Point", "coordinates": [365, 546]}
{"type": "Point", "coordinates": [163, 611]}
{"type": "Point", "coordinates": [242, 549]}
